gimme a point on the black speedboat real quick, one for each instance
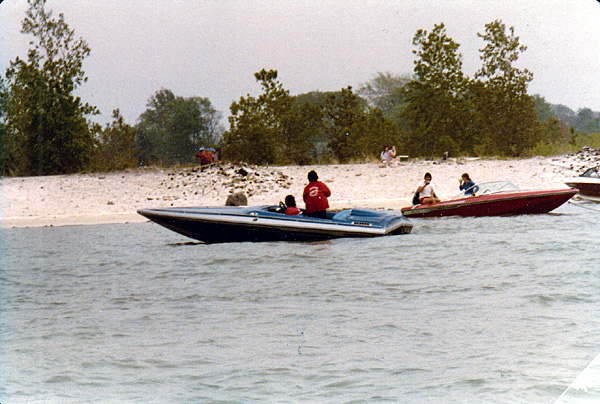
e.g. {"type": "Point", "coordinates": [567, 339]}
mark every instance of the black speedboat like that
{"type": "Point", "coordinates": [268, 223]}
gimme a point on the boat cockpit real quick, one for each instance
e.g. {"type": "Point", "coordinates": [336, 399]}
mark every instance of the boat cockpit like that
{"type": "Point", "coordinates": [487, 188]}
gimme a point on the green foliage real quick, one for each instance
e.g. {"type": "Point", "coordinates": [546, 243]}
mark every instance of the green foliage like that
{"type": "Point", "coordinates": [270, 128]}
{"type": "Point", "coordinates": [254, 124]}
{"type": "Point", "coordinates": [436, 114]}
{"type": "Point", "coordinates": [584, 121]}
{"type": "Point", "coordinates": [344, 123]}
{"type": "Point", "coordinates": [115, 148]}
{"type": "Point", "coordinates": [311, 106]}
{"type": "Point", "coordinates": [587, 120]}
{"type": "Point", "coordinates": [506, 115]}
{"type": "Point", "coordinates": [438, 63]}
{"type": "Point", "coordinates": [301, 126]}
{"type": "Point", "coordinates": [562, 128]}
{"type": "Point", "coordinates": [558, 136]}
{"type": "Point", "coordinates": [580, 140]}
{"type": "Point", "coordinates": [385, 91]}
{"type": "Point", "coordinates": [444, 111]}
{"type": "Point", "coordinates": [4, 156]}
{"type": "Point", "coordinates": [46, 127]}
{"type": "Point", "coordinates": [173, 129]}
{"type": "Point", "coordinates": [544, 109]}
{"type": "Point", "coordinates": [379, 131]}
{"type": "Point", "coordinates": [355, 132]}
{"type": "Point", "coordinates": [276, 128]}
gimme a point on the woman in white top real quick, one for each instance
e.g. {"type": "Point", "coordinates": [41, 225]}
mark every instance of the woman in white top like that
{"type": "Point", "coordinates": [384, 154]}
{"type": "Point", "coordinates": [427, 191]}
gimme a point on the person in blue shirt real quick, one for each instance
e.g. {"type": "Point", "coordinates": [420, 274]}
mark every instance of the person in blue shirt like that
{"type": "Point", "coordinates": [467, 184]}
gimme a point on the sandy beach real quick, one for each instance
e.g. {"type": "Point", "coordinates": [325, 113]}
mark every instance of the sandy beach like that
{"type": "Point", "coordinates": [114, 197]}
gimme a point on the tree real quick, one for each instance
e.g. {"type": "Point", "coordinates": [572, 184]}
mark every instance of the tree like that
{"type": "Point", "coordinates": [507, 119]}
{"type": "Point", "coordinates": [173, 128]}
{"type": "Point", "coordinates": [388, 93]}
{"type": "Point", "coordinates": [436, 110]}
{"type": "Point", "coordinates": [344, 121]}
{"type": "Point", "coordinates": [563, 113]}
{"type": "Point", "coordinates": [312, 105]}
{"type": "Point", "coordinates": [300, 126]}
{"type": "Point", "coordinates": [46, 127]}
{"type": "Point", "coordinates": [254, 124]}
{"type": "Point", "coordinates": [385, 91]}
{"type": "Point", "coordinates": [115, 149]}
{"type": "Point", "coordinates": [269, 128]}
{"type": "Point", "coordinates": [587, 120]}
{"type": "Point", "coordinates": [4, 156]}
{"type": "Point", "coordinates": [438, 63]}
{"type": "Point", "coordinates": [543, 108]}
{"type": "Point", "coordinates": [355, 131]}
{"type": "Point", "coordinates": [379, 132]}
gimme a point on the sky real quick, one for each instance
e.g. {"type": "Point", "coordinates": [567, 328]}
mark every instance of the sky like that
{"type": "Point", "coordinates": [210, 48]}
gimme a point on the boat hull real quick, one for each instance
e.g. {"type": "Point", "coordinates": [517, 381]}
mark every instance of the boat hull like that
{"type": "Point", "coordinates": [509, 203]}
{"type": "Point", "coordinates": [222, 225]}
{"type": "Point", "coordinates": [589, 189]}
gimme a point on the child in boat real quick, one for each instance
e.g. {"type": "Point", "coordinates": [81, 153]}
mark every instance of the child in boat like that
{"type": "Point", "coordinates": [290, 202]}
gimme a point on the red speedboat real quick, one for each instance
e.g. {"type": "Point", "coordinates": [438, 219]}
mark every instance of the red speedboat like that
{"type": "Point", "coordinates": [494, 199]}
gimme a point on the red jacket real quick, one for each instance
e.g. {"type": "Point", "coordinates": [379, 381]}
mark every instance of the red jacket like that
{"type": "Point", "coordinates": [292, 211]}
{"type": "Point", "coordinates": [315, 196]}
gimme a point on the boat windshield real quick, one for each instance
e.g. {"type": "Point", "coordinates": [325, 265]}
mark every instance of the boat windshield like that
{"type": "Point", "coordinates": [486, 188]}
{"type": "Point", "coordinates": [591, 173]}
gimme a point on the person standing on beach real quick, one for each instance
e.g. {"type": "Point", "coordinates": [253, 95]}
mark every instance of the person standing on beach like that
{"type": "Point", "coordinates": [427, 191]}
{"type": "Point", "coordinates": [315, 196]}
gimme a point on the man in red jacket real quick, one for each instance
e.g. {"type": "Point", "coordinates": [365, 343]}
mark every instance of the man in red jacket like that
{"type": "Point", "coordinates": [315, 196]}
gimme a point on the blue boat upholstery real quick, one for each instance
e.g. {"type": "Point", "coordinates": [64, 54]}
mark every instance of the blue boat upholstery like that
{"type": "Point", "coordinates": [342, 215]}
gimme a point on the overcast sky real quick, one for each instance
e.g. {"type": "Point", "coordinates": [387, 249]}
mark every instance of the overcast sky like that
{"type": "Point", "coordinates": [213, 48]}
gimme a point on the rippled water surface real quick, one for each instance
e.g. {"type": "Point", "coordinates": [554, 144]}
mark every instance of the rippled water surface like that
{"type": "Point", "coordinates": [463, 310]}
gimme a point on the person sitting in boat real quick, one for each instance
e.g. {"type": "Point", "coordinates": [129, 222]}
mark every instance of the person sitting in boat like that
{"type": "Point", "coordinates": [467, 184]}
{"type": "Point", "coordinates": [291, 210]}
{"type": "Point", "coordinates": [427, 191]}
{"type": "Point", "coordinates": [315, 196]}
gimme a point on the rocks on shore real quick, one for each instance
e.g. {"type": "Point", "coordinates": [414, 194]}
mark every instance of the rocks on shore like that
{"type": "Point", "coordinates": [237, 178]}
{"type": "Point", "coordinates": [584, 158]}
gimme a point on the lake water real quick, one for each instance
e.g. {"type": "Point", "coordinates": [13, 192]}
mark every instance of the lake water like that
{"type": "Point", "coordinates": [463, 310]}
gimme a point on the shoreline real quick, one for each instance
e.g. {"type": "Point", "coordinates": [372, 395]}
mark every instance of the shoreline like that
{"type": "Point", "coordinates": [101, 198]}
